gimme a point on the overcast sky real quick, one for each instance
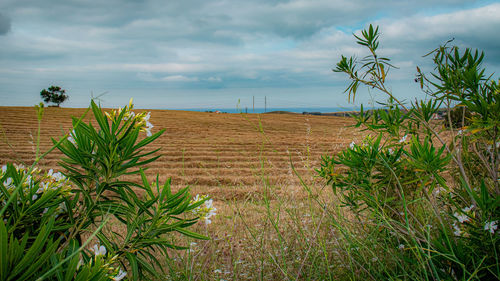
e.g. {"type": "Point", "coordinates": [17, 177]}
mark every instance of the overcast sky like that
{"type": "Point", "coordinates": [210, 54]}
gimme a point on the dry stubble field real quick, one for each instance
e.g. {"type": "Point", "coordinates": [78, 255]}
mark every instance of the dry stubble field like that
{"type": "Point", "coordinates": [243, 161]}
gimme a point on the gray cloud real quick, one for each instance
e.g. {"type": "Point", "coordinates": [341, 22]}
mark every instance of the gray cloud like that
{"type": "Point", "coordinates": [471, 28]}
{"type": "Point", "coordinates": [5, 24]}
{"type": "Point", "coordinates": [193, 18]}
{"type": "Point", "coordinates": [200, 44]}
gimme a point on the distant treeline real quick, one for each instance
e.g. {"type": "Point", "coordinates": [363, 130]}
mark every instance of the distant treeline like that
{"type": "Point", "coordinates": [438, 115]}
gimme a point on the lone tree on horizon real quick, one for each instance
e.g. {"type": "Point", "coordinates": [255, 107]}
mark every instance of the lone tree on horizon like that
{"type": "Point", "coordinates": [54, 94]}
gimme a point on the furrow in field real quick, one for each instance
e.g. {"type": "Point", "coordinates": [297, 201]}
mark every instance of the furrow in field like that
{"type": "Point", "coordinates": [204, 150]}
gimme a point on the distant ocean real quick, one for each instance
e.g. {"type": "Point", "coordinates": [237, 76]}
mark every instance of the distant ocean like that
{"type": "Point", "coordinates": [263, 110]}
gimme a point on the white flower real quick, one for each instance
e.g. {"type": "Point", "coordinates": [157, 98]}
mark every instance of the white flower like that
{"type": "Point", "coordinates": [460, 132]}
{"type": "Point", "coordinates": [209, 203]}
{"type": "Point", "coordinates": [352, 145]}
{"type": "Point", "coordinates": [218, 271]}
{"type": "Point", "coordinates": [461, 217]}
{"type": "Point", "coordinates": [29, 181]}
{"type": "Point", "coordinates": [34, 197]}
{"type": "Point", "coordinates": [131, 115]}
{"type": "Point", "coordinates": [58, 176]}
{"type": "Point", "coordinates": [143, 121]}
{"type": "Point", "coordinates": [19, 167]}
{"type": "Point", "coordinates": [468, 209]}
{"type": "Point", "coordinates": [439, 189]}
{"type": "Point", "coordinates": [457, 231]}
{"type": "Point", "coordinates": [374, 259]}
{"type": "Point", "coordinates": [196, 198]}
{"type": "Point", "coordinates": [45, 210]}
{"type": "Point", "coordinates": [120, 275]}
{"type": "Point", "coordinates": [211, 211]}
{"type": "Point", "coordinates": [8, 183]}
{"type": "Point", "coordinates": [99, 250]}
{"type": "Point", "coordinates": [401, 246]}
{"type": "Point", "coordinates": [44, 186]}
{"type": "Point", "coordinates": [149, 126]}
{"type": "Point", "coordinates": [70, 137]}
{"type": "Point", "coordinates": [206, 211]}
{"type": "Point", "coordinates": [4, 169]}
{"type": "Point", "coordinates": [391, 152]}
{"type": "Point", "coordinates": [491, 226]}
{"type": "Point", "coordinates": [403, 139]}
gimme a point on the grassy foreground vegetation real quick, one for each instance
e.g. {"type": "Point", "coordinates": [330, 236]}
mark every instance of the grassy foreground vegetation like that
{"type": "Point", "coordinates": [407, 199]}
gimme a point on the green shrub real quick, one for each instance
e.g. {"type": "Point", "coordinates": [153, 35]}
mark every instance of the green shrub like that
{"type": "Point", "coordinates": [49, 219]}
{"type": "Point", "coordinates": [427, 211]}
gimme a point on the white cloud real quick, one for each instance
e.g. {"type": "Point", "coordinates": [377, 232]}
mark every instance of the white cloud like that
{"type": "Point", "coordinates": [214, 79]}
{"type": "Point", "coordinates": [179, 78]}
{"type": "Point", "coordinates": [466, 23]}
{"type": "Point", "coordinates": [158, 67]}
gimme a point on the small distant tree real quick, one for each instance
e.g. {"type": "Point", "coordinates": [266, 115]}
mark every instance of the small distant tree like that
{"type": "Point", "coordinates": [54, 94]}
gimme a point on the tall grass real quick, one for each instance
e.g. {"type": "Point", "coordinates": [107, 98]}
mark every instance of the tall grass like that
{"type": "Point", "coordinates": [406, 203]}
{"type": "Point", "coordinates": [275, 232]}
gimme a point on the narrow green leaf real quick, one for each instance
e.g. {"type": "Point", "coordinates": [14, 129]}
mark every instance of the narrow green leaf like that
{"type": "Point", "coordinates": [133, 264]}
{"type": "Point", "coordinates": [192, 234]}
{"type": "Point", "coordinates": [4, 260]}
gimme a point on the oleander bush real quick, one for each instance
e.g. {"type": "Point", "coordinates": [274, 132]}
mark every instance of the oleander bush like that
{"type": "Point", "coordinates": [425, 198]}
{"type": "Point", "coordinates": [49, 220]}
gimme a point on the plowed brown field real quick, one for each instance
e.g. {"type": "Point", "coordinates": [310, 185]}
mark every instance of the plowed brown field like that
{"type": "Point", "coordinates": [207, 151]}
{"type": "Point", "coordinates": [243, 161]}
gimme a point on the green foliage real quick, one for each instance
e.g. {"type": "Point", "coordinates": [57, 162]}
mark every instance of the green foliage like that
{"type": "Point", "coordinates": [374, 69]}
{"type": "Point", "coordinates": [35, 225]}
{"type": "Point", "coordinates": [430, 207]}
{"type": "Point", "coordinates": [54, 94]}
{"type": "Point", "coordinates": [47, 217]}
